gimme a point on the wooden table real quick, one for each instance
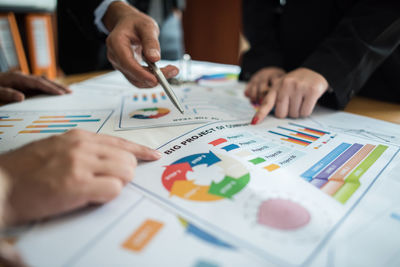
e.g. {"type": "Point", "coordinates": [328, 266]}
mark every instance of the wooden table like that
{"type": "Point", "coordinates": [359, 105]}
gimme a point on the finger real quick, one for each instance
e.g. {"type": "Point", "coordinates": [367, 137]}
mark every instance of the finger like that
{"type": "Point", "coordinates": [295, 101]}
{"type": "Point", "coordinates": [115, 168]}
{"type": "Point", "coordinates": [148, 35]}
{"type": "Point", "coordinates": [170, 71]}
{"type": "Point", "coordinates": [102, 189]}
{"type": "Point", "coordinates": [247, 90]}
{"type": "Point", "coordinates": [115, 162]}
{"type": "Point", "coordinates": [9, 95]}
{"type": "Point", "coordinates": [121, 56]}
{"type": "Point", "coordinates": [262, 91]}
{"type": "Point", "coordinates": [141, 152]}
{"type": "Point", "coordinates": [253, 91]}
{"type": "Point", "coordinates": [40, 84]}
{"type": "Point", "coordinates": [61, 87]}
{"type": "Point", "coordinates": [284, 88]}
{"type": "Point", "coordinates": [266, 107]}
{"type": "Point", "coordinates": [308, 105]}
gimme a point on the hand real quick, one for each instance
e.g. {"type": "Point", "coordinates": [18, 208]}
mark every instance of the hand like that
{"type": "Point", "coordinates": [14, 86]}
{"type": "Point", "coordinates": [68, 171]}
{"type": "Point", "coordinates": [133, 33]}
{"type": "Point", "coordinates": [294, 94]}
{"type": "Point", "coordinates": [260, 82]}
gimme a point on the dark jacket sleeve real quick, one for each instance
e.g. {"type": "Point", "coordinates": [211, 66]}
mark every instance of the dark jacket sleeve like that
{"type": "Point", "coordinates": [260, 27]}
{"type": "Point", "coordinates": [366, 36]}
{"type": "Point", "coordinates": [81, 14]}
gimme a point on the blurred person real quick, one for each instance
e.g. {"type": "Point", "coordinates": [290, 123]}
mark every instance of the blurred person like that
{"type": "Point", "coordinates": [95, 34]}
{"type": "Point", "coordinates": [303, 52]}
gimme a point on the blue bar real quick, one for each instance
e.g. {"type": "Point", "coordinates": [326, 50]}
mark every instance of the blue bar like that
{"type": "Point", "coordinates": [91, 120]}
{"type": "Point", "coordinates": [307, 134]}
{"type": "Point", "coordinates": [78, 116]}
{"type": "Point", "coordinates": [61, 125]}
{"type": "Point", "coordinates": [230, 147]}
{"type": "Point", "coordinates": [305, 127]}
{"type": "Point", "coordinates": [308, 175]}
{"type": "Point", "coordinates": [54, 131]}
{"type": "Point", "coordinates": [212, 76]}
{"type": "Point", "coordinates": [4, 117]}
{"type": "Point", "coordinates": [291, 137]}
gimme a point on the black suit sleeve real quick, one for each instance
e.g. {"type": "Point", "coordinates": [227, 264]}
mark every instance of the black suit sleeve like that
{"type": "Point", "coordinates": [366, 36]}
{"type": "Point", "coordinates": [260, 26]}
{"type": "Point", "coordinates": [81, 14]}
{"type": "Point", "coordinates": [80, 44]}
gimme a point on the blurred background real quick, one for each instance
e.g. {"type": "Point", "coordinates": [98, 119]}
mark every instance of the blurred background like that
{"type": "Point", "coordinates": [207, 30]}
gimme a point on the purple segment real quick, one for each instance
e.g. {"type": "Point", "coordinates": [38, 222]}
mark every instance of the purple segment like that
{"type": "Point", "coordinates": [328, 171]}
{"type": "Point", "coordinates": [319, 182]}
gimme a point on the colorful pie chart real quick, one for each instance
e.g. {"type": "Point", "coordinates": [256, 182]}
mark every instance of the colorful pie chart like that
{"type": "Point", "coordinates": [236, 177]}
{"type": "Point", "coordinates": [149, 113]}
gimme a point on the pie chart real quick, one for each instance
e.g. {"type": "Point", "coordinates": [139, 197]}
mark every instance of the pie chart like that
{"type": "Point", "coordinates": [235, 177]}
{"type": "Point", "coordinates": [149, 113]}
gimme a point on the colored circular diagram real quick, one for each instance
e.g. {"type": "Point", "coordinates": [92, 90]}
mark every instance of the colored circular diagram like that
{"type": "Point", "coordinates": [236, 177]}
{"type": "Point", "coordinates": [149, 113]}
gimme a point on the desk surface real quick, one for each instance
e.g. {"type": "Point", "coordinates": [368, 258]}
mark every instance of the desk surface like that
{"type": "Point", "coordinates": [358, 105]}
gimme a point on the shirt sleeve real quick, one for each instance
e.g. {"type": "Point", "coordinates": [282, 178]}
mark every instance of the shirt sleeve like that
{"type": "Point", "coordinates": [260, 27]}
{"type": "Point", "coordinates": [367, 35]}
{"type": "Point", "coordinates": [99, 13]}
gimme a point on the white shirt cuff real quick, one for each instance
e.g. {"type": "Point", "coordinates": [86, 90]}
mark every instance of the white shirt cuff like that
{"type": "Point", "coordinates": [99, 13]}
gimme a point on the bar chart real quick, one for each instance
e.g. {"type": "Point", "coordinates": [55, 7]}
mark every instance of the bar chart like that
{"type": "Point", "coordinates": [21, 127]}
{"type": "Point", "coordinates": [338, 173]}
{"type": "Point", "coordinates": [298, 134]}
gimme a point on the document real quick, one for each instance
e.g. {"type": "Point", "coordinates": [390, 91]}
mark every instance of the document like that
{"type": "Point", "coordinates": [152, 108]}
{"type": "Point", "coordinates": [280, 188]}
{"type": "Point", "coordinates": [130, 231]}
{"type": "Point", "coordinates": [21, 127]}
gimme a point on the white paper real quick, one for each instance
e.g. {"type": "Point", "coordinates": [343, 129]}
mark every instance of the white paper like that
{"type": "Point", "coordinates": [152, 108]}
{"type": "Point", "coordinates": [21, 127]}
{"type": "Point", "coordinates": [97, 237]}
{"type": "Point", "coordinates": [237, 189]}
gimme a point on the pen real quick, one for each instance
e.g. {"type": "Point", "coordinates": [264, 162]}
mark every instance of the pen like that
{"type": "Point", "coordinates": [165, 85]}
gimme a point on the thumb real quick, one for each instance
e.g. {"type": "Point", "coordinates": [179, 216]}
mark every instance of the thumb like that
{"type": "Point", "coordinates": [148, 35]}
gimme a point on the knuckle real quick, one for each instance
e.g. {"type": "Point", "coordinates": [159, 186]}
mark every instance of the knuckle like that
{"type": "Point", "coordinates": [115, 188]}
{"type": "Point", "coordinates": [288, 81]}
{"type": "Point", "coordinates": [77, 133]}
{"type": "Point", "coordinates": [315, 89]}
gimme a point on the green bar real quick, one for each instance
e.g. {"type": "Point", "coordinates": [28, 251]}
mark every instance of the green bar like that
{"type": "Point", "coordinates": [346, 191]}
{"type": "Point", "coordinates": [356, 174]}
{"type": "Point", "coordinates": [352, 182]}
{"type": "Point", "coordinates": [257, 161]}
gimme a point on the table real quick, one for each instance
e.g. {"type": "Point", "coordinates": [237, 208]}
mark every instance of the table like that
{"type": "Point", "coordinates": [359, 105]}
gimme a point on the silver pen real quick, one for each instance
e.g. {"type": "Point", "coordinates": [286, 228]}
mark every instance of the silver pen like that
{"type": "Point", "coordinates": [165, 85]}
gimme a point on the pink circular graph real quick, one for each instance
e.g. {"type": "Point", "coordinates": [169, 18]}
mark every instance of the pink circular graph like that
{"type": "Point", "coordinates": [283, 214]}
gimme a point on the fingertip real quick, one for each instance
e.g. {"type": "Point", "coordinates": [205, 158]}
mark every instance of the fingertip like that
{"type": "Point", "coordinates": [152, 155]}
{"type": "Point", "coordinates": [170, 71]}
{"type": "Point", "coordinates": [18, 97]}
{"type": "Point", "coordinates": [152, 54]}
{"type": "Point", "coordinates": [156, 154]}
{"type": "Point", "coordinates": [151, 82]}
{"type": "Point", "coordinates": [255, 120]}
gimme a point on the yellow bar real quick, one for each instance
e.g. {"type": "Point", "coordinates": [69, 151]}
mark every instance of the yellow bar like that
{"type": "Point", "coordinates": [143, 235]}
{"type": "Point", "coordinates": [272, 167]}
